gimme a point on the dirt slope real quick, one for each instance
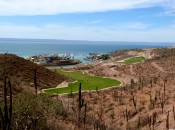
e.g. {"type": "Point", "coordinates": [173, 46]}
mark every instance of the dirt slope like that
{"type": "Point", "coordinates": [21, 73]}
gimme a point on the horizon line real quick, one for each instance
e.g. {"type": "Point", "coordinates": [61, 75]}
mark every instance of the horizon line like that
{"type": "Point", "coordinates": [78, 40]}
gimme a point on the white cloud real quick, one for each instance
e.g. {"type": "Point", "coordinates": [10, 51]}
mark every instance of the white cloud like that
{"type": "Point", "coordinates": [5, 27]}
{"type": "Point", "coordinates": [169, 6]}
{"type": "Point", "coordinates": [168, 13]}
{"type": "Point", "coordinates": [50, 7]}
{"type": "Point", "coordinates": [133, 26]}
{"type": "Point", "coordinates": [95, 22]}
{"type": "Point", "coordinates": [54, 31]}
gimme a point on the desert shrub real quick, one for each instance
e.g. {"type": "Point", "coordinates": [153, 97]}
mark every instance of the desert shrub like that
{"type": "Point", "coordinates": [150, 106]}
{"type": "Point", "coordinates": [33, 111]}
{"type": "Point", "coordinates": [132, 125]}
{"type": "Point", "coordinates": [140, 108]}
{"type": "Point", "coordinates": [143, 121]}
{"type": "Point", "coordinates": [132, 113]}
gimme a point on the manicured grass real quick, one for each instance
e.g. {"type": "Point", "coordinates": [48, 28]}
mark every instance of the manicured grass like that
{"type": "Point", "coordinates": [132, 60]}
{"type": "Point", "coordinates": [88, 83]}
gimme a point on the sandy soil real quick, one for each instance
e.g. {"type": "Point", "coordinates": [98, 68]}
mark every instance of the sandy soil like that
{"type": "Point", "coordinates": [153, 86]}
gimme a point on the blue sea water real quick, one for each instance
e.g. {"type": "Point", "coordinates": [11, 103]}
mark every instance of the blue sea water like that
{"type": "Point", "coordinates": [80, 49]}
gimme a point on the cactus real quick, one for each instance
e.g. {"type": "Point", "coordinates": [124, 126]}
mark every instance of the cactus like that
{"type": "Point", "coordinates": [162, 102]}
{"type": "Point", "coordinates": [134, 102]}
{"type": "Point", "coordinates": [99, 126]}
{"type": "Point", "coordinates": [80, 100]}
{"type": "Point", "coordinates": [132, 83]}
{"type": "Point", "coordinates": [151, 83]}
{"type": "Point", "coordinates": [149, 121]}
{"type": "Point", "coordinates": [142, 84]}
{"type": "Point", "coordinates": [164, 90]}
{"type": "Point", "coordinates": [154, 116]}
{"type": "Point", "coordinates": [173, 112]}
{"type": "Point", "coordinates": [167, 121]}
{"type": "Point", "coordinates": [138, 125]}
{"type": "Point", "coordinates": [159, 94]}
{"type": "Point", "coordinates": [35, 80]}
{"type": "Point", "coordinates": [127, 115]}
{"type": "Point", "coordinates": [80, 104]}
{"type": "Point", "coordinates": [96, 125]}
{"type": "Point", "coordinates": [85, 113]}
{"type": "Point", "coordinates": [6, 113]}
{"type": "Point", "coordinates": [153, 101]}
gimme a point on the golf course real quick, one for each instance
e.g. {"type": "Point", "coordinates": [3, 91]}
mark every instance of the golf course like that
{"type": "Point", "coordinates": [88, 83]}
{"type": "Point", "coordinates": [132, 60]}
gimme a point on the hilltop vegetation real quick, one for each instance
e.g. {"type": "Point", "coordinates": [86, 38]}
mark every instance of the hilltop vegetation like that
{"type": "Point", "coordinates": [20, 108]}
{"type": "Point", "coordinates": [21, 73]}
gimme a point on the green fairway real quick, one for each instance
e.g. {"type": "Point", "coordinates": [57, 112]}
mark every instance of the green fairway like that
{"type": "Point", "coordinates": [88, 83]}
{"type": "Point", "coordinates": [133, 60]}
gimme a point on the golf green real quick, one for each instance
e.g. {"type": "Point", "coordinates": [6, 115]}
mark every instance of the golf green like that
{"type": "Point", "coordinates": [88, 83]}
{"type": "Point", "coordinates": [132, 60]}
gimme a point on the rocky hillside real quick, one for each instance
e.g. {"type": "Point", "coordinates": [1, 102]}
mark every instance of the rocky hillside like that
{"type": "Point", "coordinates": [146, 101]}
{"type": "Point", "coordinates": [21, 73]}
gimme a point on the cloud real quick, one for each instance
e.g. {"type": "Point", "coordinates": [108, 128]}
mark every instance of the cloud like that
{"type": "Point", "coordinates": [168, 13]}
{"type": "Point", "coordinates": [169, 6]}
{"type": "Point", "coordinates": [52, 7]}
{"type": "Point", "coordinates": [56, 31]}
{"type": "Point", "coordinates": [5, 27]}
{"type": "Point", "coordinates": [95, 22]}
{"type": "Point", "coordinates": [133, 26]}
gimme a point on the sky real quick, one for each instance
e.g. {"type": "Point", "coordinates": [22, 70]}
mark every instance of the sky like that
{"type": "Point", "coordinates": [93, 20]}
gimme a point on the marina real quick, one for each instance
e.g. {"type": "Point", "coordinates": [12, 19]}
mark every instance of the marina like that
{"type": "Point", "coordinates": [54, 60]}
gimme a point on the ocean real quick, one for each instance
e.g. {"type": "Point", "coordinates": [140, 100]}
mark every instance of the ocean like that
{"type": "Point", "coordinates": [80, 49]}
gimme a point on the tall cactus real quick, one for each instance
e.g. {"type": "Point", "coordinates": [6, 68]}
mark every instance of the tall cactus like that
{"type": "Point", "coordinates": [79, 97]}
{"type": "Point", "coordinates": [85, 114]}
{"type": "Point", "coordinates": [134, 102]}
{"type": "Point", "coordinates": [127, 114]}
{"type": "Point", "coordinates": [162, 102]}
{"type": "Point", "coordinates": [6, 113]}
{"type": "Point", "coordinates": [167, 121]}
{"type": "Point", "coordinates": [173, 113]}
{"type": "Point", "coordinates": [80, 104]}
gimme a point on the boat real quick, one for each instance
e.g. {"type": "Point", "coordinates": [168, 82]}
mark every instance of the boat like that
{"type": "Point", "coordinates": [54, 60]}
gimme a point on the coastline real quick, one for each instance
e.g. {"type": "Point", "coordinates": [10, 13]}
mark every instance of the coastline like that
{"type": "Point", "coordinates": [71, 47]}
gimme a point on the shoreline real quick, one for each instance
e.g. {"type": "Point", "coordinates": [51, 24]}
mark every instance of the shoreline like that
{"type": "Point", "coordinates": [79, 53]}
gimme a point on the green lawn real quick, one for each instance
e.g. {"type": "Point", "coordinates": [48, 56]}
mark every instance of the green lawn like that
{"type": "Point", "coordinates": [132, 60]}
{"type": "Point", "coordinates": [88, 83]}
